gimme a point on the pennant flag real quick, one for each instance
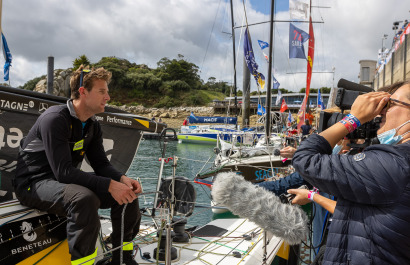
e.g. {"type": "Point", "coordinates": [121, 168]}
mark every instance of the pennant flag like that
{"type": "Point", "coordinates": [250, 61]}
{"type": "Point", "coordinates": [284, 106]}
{"type": "Point", "coordinates": [302, 113]}
{"type": "Point", "coordinates": [278, 97]}
{"type": "Point", "coordinates": [276, 84]}
{"type": "Point", "coordinates": [261, 110]}
{"type": "Point", "coordinates": [320, 102]}
{"type": "Point", "coordinates": [7, 57]}
{"type": "Point", "coordinates": [311, 53]}
{"type": "Point", "coordinates": [290, 119]}
{"type": "Point", "coordinates": [264, 45]}
{"type": "Point", "coordinates": [298, 9]}
{"type": "Point", "coordinates": [296, 39]}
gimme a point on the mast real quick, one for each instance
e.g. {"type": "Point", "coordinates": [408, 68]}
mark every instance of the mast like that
{"type": "Point", "coordinates": [234, 64]}
{"type": "Point", "coordinates": [268, 89]}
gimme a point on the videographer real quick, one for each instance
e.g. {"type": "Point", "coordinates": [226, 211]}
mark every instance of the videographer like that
{"type": "Point", "coordinates": [371, 219]}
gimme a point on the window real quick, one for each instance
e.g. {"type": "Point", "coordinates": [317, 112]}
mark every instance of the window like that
{"type": "Point", "coordinates": [366, 74]}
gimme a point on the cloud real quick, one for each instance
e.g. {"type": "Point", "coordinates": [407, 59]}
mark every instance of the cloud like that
{"type": "Point", "coordinates": [146, 31]}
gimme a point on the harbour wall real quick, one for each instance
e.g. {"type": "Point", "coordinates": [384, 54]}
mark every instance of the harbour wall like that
{"type": "Point", "coordinates": [397, 67]}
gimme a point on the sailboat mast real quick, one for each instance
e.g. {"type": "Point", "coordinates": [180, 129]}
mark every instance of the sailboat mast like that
{"type": "Point", "coordinates": [234, 63]}
{"type": "Point", "coordinates": [269, 86]}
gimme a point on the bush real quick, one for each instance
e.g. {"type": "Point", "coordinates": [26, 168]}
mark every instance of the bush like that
{"type": "Point", "coordinates": [166, 102]}
{"type": "Point", "coordinates": [194, 100]}
{"type": "Point", "coordinates": [178, 85]}
{"type": "Point", "coordinates": [30, 85]}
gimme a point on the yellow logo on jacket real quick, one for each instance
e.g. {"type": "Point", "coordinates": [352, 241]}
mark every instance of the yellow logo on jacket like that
{"type": "Point", "coordinates": [78, 145]}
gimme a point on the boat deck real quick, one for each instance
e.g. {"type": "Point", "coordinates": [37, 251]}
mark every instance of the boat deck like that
{"type": "Point", "coordinates": [222, 241]}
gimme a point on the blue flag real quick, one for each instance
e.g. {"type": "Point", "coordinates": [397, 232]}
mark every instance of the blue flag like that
{"type": "Point", "coordinates": [276, 84]}
{"type": "Point", "coordinates": [263, 44]}
{"type": "Point", "coordinates": [7, 57]}
{"type": "Point", "coordinates": [320, 100]}
{"type": "Point", "coordinates": [296, 39]}
{"type": "Point", "coordinates": [261, 110]}
{"type": "Point", "coordinates": [250, 61]}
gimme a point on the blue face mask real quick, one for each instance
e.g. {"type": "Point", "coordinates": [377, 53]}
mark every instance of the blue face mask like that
{"type": "Point", "coordinates": [336, 149]}
{"type": "Point", "coordinates": [389, 137]}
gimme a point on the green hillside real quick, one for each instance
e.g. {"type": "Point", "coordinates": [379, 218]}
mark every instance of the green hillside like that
{"type": "Point", "coordinates": [175, 82]}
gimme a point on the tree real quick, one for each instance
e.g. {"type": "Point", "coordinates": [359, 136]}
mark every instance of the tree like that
{"type": "Point", "coordinates": [118, 68]}
{"type": "Point", "coordinates": [179, 70]}
{"type": "Point", "coordinates": [82, 60]}
{"type": "Point", "coordinates": [324, 90]}
{"type": "Point", "coordinates": [30, 85]}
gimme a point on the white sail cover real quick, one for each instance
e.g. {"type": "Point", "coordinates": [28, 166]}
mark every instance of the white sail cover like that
{"type": "Point", "coordinates": [298, 9]}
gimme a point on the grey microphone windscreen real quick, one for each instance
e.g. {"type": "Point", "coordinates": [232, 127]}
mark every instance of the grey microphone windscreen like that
{"type": "Point", "coordinates": [260, 206]}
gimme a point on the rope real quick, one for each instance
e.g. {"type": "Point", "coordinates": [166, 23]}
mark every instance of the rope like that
{"type": "Point", "coordinates": [122, 231]}
{"type": "Point", "coordinates": [49, 252]}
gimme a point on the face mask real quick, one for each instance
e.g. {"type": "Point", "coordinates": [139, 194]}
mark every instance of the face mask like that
{"type": "Point", "coordinates": [389, 137]}
{"type": "Point", "coordinates": [337, 149]}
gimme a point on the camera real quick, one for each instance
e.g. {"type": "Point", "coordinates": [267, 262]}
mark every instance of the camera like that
{"type": "Point", "coordinates": [346, 94]}
{"type": "Point", "coordinates": [287, 197]}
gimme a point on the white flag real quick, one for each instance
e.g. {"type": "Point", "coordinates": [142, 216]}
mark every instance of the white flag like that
{"type": "Point", "coordinates": [278, 97]}
{"type": "Point", "coordinates": [298, 9]}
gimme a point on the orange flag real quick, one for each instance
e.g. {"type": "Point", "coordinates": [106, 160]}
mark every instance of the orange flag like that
{"type": "Point", "coordinates": [311, 55]}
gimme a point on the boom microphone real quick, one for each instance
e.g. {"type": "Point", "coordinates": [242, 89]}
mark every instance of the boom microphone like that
{"type": "Point", "coordinates": [343, 83]}
{"type": "Point", "coordinates": [261, 207]}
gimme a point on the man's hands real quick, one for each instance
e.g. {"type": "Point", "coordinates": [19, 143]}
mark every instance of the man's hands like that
{"type": "Point", "coordinates": [287, 152]}
{"type": "Point", "coordinates": [132, 183]}
{"type": "Point", "coordinates": [125, 190]}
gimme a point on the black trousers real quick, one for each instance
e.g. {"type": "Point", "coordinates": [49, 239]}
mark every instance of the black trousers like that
{"type": "Point", "coordinates": [80, 205]}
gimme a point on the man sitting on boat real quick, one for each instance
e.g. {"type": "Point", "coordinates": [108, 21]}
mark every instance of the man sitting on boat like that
{"type": "Point", "coordinates": [48, 177]}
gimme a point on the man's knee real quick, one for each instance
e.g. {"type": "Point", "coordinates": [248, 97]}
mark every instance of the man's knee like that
{"type": "Point", "coordinates": [81, 198]}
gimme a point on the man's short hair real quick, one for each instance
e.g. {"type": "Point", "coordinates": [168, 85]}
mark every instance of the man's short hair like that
{"type": "Point", "coordinates": [88, 79]}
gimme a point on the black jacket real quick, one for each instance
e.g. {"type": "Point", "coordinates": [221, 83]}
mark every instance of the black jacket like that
{"type": "Point", "coordinates": [371, 223]}
{"type": "Point", "coordinates": [55, 147]}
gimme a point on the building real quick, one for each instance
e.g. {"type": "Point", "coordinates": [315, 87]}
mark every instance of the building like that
{"type": "Point", "coordinates": [395, 65]}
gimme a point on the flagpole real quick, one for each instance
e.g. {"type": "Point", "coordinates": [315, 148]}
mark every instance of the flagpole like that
{"type": "Point", "coordinates": [234, 65]}
{"type": "Point", "coordinates": [269, 86]}
{"type": "Point", "coordinates": [1, 11]}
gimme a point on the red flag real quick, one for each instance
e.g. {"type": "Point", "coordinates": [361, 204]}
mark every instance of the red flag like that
{"type": "Point", "coordinates": [283, 107]}
{"type": "Point", "coordinates": [311, 55]}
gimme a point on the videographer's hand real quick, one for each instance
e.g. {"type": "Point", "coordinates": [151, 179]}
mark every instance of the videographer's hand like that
{"type": "Point", "coordinates": [287, 152]}
{"type": "Point", "coordinates": [364, 108]}
{"type": "Point", "coordinates": [369, 105]}
{"type": "Point", "coordinates": [301, 196]}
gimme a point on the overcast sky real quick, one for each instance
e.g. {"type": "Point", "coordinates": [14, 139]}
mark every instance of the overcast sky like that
{"type": "Point", "coordinates": [144, 31]}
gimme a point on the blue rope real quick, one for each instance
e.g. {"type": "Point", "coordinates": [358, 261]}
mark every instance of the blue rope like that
{"type": "Point", "coordinates": [16, 218]}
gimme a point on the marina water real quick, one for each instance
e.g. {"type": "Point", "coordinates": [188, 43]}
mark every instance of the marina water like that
{"type": "Point", "coordinates": [191, 158]}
